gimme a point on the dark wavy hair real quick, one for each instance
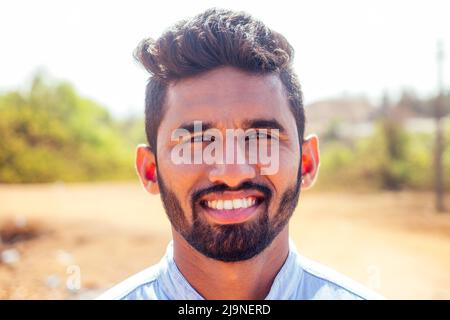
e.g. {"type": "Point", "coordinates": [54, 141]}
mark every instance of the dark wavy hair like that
{"type": "Point", "coordinates": [212, 39]}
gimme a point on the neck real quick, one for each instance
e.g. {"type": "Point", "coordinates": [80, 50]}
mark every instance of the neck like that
{"type": "Point", "coordinates": [214, 279]}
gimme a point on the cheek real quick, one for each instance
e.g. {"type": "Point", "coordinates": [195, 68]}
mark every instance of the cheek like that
{"type": "Point", "coordinates": [289, 166]}
{"type": "Point", "coordinates": [286, 177]}
{"type": "Point", "coordinates": [180, 179]}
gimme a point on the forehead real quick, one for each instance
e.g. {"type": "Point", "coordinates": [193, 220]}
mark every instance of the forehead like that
{"type": "Point", "coordinates": [225, 96]}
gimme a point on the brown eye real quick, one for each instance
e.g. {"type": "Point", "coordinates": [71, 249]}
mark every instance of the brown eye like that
{"type": "Point", "coordinates": [198, 138]}
{"type": "Point", "coordinates": [259, 135]}
{"type": "Point", "coordinates": [203, 138]}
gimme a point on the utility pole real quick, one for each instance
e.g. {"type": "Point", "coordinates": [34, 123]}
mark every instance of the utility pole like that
{"type": "Point", "coordinates": [439, 142]}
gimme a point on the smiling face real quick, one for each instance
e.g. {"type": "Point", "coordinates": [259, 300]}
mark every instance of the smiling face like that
{"type": "Point", "coordinates": [228, 211]}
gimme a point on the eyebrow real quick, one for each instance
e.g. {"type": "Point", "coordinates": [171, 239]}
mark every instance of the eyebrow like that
{"type": "Point", "coordinates": [189, 126]}
{"type": "Point", "coordinates": [246, 124]}
{"type": "Point", "coordinates": [263, 124]}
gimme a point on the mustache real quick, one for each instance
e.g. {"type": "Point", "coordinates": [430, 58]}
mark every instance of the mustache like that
{"type": "Point", "coordinates": [246, 185]}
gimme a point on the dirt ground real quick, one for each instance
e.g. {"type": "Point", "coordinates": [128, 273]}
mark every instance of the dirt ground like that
{"type": "Point", "coordinates": [75, 241]}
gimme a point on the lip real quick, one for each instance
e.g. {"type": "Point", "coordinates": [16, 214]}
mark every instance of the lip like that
{"type": "Point", "coordinates": [232, 216]}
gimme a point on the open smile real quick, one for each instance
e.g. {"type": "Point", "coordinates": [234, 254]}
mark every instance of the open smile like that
{"type": "Point", "coordinates": [232, 206]}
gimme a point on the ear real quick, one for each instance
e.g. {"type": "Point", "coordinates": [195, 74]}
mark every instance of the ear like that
{"type": "Point", "coordinates": [146, 168]}
{"type": "Point", "coordinates": [310, 161]}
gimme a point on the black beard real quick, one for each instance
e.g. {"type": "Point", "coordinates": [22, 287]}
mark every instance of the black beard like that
{"type": "Point", "coordinates": [233, 242]}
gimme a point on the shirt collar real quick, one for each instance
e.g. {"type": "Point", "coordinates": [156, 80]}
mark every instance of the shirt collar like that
{"type": "Point", "coordinates": [176, 287]}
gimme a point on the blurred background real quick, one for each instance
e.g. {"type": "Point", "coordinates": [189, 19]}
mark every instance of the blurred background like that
{"type": "Point", "coordinates": [73, 218]}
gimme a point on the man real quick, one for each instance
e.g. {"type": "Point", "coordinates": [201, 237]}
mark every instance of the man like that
{"type": "Point", "coordinates": [223, 72]}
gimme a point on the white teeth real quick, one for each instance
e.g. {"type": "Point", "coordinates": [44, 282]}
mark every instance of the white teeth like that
{"type": "Point", "coordinates": [232, 204]}
{"type": "Point", "coordinates": [228, 204]}
{"type": "Point", "coordinates": [237, 203]}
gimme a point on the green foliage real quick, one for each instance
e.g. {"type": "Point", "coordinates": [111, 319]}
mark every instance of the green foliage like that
{"type": "Point", "coordinates": [50, 133]}
{"type": "Point", "coordinates": [390, 158]}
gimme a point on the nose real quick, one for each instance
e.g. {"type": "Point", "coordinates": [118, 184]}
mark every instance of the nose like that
{"type": "Point", "coordinates": [231, 174]}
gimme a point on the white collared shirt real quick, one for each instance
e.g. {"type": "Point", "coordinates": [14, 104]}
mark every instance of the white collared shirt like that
{"type": "Point", "coordinates": [298, 279]}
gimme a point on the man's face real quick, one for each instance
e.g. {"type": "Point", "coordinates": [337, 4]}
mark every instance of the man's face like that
{"type": "Point", "coordinates": [198, 197]}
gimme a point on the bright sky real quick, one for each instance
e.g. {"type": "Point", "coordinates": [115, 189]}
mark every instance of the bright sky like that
{"type": "Point", "coordinates": [341, 46]}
